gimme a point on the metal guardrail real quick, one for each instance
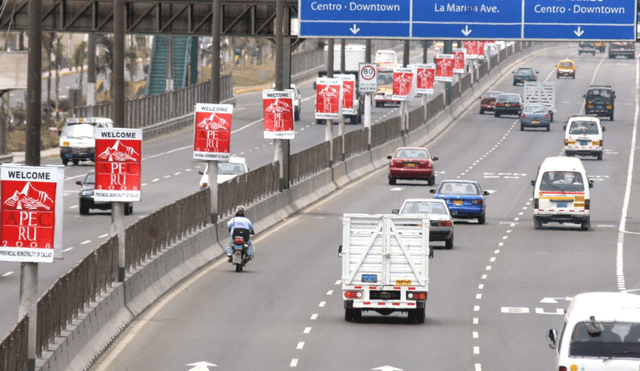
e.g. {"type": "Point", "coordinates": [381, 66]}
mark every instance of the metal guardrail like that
{"type": "Point", "coordinates": [97, 272]}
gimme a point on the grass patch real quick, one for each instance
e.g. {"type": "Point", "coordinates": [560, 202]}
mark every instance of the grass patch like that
{"type": "Point", "coordinates": [17, 139]}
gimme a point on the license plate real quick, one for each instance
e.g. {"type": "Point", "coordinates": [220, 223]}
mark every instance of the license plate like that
{"type": "Point", "coordinates": [507, 105]}
{"type": "Point", "coordinates": [403, 282]}
{"type": "Point", "coordinates": [411, 165]}
{"type": "Point", "coordinates": [535, 122]}
{"type": "Point", "coordinates": [66, 144]}
{"type": "Point", "coordinates": [369, 278]}
{"type": "Point", "coordinates": [562, 204]}
{"type": "Point", "coordinates": [458, 202]}
{"type": "Point", "coordinates": [584, 143]}
{"type": "Point", "coordinates": [599, 107]}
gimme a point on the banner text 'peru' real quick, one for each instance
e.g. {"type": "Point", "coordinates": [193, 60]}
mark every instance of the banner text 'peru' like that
{"type": "Point", "coordinates": [31, 213]}
{"type": "Point", "coordinates": [212, 132]}
{"type": "Point", "coordinates": [328, 98]}
{"type": "Point", "coordinates": [425, 77]}
{"type": "Point", "coordinates": [348, 93]}
{"type": "Point", "coordinates": [118, 164]}
{"type": "Point", "coordinates": [444, 67]}
{"type": "Point", "coordinates": [278, 114]}
{"type": "Point", "coordinates": [403, 83]}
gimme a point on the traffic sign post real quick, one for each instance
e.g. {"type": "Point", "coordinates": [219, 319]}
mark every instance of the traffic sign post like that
{"type": "Point", "coordinates": [470, 19]}
{"type": "Point", "coordinates": [368, 78]}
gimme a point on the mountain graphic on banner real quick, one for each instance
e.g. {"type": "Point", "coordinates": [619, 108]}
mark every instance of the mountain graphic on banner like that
{"type": "Point", "coordinates": [278, 107]}
{"type": "Point", "coordinates": [30, 199]}
{"type": "Point", "coordinates": [119, 152]}
{"type": "Point", "coordinates": [213, 122]}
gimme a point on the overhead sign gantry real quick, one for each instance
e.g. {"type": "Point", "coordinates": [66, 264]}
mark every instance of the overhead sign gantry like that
{"type": "Point", "coordinates": [470, 19]}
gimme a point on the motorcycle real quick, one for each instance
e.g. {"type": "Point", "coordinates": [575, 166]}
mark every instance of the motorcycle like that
{"type": "Point", "coordinates": [239, 255]}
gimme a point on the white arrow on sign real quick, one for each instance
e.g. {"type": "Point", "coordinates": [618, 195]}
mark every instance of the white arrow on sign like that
{"type": "Point", "coordinates": [201, 366]}
{"type": "Point", "coordinates": [579, 32]}
{"type": "Point", "coordinates": [354, 29]}
{"type": "Point", "coordinates": [387, 368]}
{"type": "Point", "coordinates": [466, 30]}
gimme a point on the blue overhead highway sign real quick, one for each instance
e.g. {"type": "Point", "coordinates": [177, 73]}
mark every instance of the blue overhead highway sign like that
{"type": "Point", "coordinates": [470, 19]}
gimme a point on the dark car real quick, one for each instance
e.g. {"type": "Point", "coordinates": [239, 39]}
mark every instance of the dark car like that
{"type": "Point", "coordinates": [508, 104]}
{"type": "Point", "coordinates": [464, 198]}
{"type": "Point", "coordinates": [412, 163]}
{"type": "Point", "coordinates": [86, 196]}
{"type": "Point", "coordinates": [587, 47]}
{"type": "Point", "coordinates": [488, 101]}
{"type": "Point", "coordinates": [599, 100]}
{"type": "Point", "coordinates": [535, 116]}
{"type": "Point", "coordinates": [523, 74]}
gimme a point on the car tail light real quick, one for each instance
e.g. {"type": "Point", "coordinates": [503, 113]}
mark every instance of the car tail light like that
{"type": "Point", "coordinates": [533, 76]}
{"type": "Point", "coordinates": [601, 142]}
{"type": "Point", "coordinates": [536, 203]}
{"type": "Point", "coordinates": [429, 164]}
{"type": "Point", "coordinates": [499, 104]}
{"type": "Point", "coordinates": [397, 163]}
{"type": "Point", "coordinates": [353, 294]}
{"type": "Point", "coordinates": [417, 295]}
{"type": "Point", "coordinates": [476, 202]}
{"type": "Point", "coordinates": [444, 223]}
{"type": "Point", "coordinates": [547, 116]}
{"type": "Point", "coordinates": [562, 368]}
{"type": "Point", "coordinates": [566, 142]}
{"type": "Point", "coordinates": [524, 116]}
{"type": "Point", "coordinates": [587, 204]}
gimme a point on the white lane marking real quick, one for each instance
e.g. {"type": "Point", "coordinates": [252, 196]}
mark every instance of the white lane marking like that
{"type": "Point", "coordinates": [476, 350]}
{"type": "Point", "coordinates": [501, 244]}
{"type": "Point", "coordinates": [606, 226]}
{"type": "Point", "coordinates": [187, 169]}
{"type": "Point", "coordinates": [67, 249]}
{"type": "Point", "coordinates": [480, 286]}
{"type": "Point", "coordinates": [514, 310]}
{"type": "Point", "coordinates": [85, 242]}
{"type": "Point", "coordinates": [143, 184]}
{"type": "Point", "coordinates": [497, 252]}
{"type": "Point", "coordinates": [104, 235]}
{"type": "Point", "coordinates": [505, 237]}
{"type": "Point", "coordinates": [155, 180]}
{"type": "Point", "coordinates": [294, 363]}
{"type": "Point", "coordinates": [476, 308]}
{"type": "Point", "coordinates": [314, 316]}
{"type": "Point", "coordinates": [7, 274]}
{"type": "Point", "coordinates": [74, 207]}
{"type": "Point", "coordinates": [300, 345]}
{"type": "Point", "coordinates": [338, 282]}
{"type": "Point", "coordinates": [484, 276]}
{"type": "Point", "coordinates": [178, 173]}
{"type": "Point", "coordinates": [478, 367]}
{"type": "Point", "coordinates": [167, 176]}
{"type": "Point", "coordinates": [329, 292]}
{"type": "Point", "coordinates": [475, 334]}
{"type": "Point", "coordinates": [476, 321]}
{"type": "Point", "coordinates": [307, 330]}
{"type": "Point", "coordinates": [322, 303]}
{"type": "Point", "coordinates": [488, 268]}
{"type": "Point", "coordinates": [478, 296]}
{"type": "Point", "coordinates": [627, 191]}
{"type": "Point", "coordinates": [492, 259]}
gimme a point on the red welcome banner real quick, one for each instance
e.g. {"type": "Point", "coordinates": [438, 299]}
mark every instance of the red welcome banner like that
{"type": "Point", "coordinates": [348, 93]}
{"type": "Point", "coordinates": [403, 80]}
{"type": "Point", "coordinates": [31, 213]}
{"type": "Point", "coordinates": [118, 165]}
{"type": "Point", "coordinates": [328, 98]}
{"type": "Point", "coordinates": [458, 61]}
{"type": "Point", "coordinates": [212, 133]}
{"type": "Point", "coordinates": [425, 77]}
{"type": "Point", "coordinates": [444, 67]}
{"type": "Point", "coordinates": [471, 48]}
{"type": "Point", "coordinates": [278, 114]}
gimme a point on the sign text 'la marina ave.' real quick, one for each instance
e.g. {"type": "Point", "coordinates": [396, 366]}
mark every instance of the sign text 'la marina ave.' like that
{"type": "Point", "coordinates": [470, 19]}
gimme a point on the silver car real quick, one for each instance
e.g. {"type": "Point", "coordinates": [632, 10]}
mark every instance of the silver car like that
{"type": "Point", "coordinates": [441, 228]}
{"type": "Point", "coordinates": [535, 116]}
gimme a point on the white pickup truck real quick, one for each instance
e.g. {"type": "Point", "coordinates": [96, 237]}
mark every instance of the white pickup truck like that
{"type": "Point", "coordinates": [385, 264]}
{"type": "Point", "coordinates": [543, 93]}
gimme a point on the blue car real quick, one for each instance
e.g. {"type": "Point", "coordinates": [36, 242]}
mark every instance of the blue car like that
{"type": "Point", "coordinates": [465, 198]}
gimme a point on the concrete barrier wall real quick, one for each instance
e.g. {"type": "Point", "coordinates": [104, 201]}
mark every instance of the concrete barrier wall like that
{"type": "Point", "coordinates": [98, 325]}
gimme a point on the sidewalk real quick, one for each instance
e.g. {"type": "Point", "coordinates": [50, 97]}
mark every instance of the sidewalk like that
{"type": "Point", "coordinates": [19, 157]}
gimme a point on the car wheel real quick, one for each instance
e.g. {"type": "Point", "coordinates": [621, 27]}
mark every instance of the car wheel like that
{"type": "Point", "coordinates": [537, 224]}
{"type": "Point", "coordinates": [297, 115]}
{"type": "Point", "coordinates": [420, 315]}
{"type": "Point", "coordinates": [557, 76]}
{"type": "Point", "coordinates": [548, 127]}
{"type": "Point", "coordinates": [574, 76]}
{"type": "Point", "coordinates": [449, 243]}
{"type": "Point", "coordinates": [357, 315]}
{"type": "Point", "coordinates": [84, 210]}
{"type": "Point", "coordinates": [76, 162]}
{"type": "Point", "coordinates": [599, 156]}
{"type": "Point", "coordinates": [432, 181]}
{"type": "Point", "coordinates": [586, 224]}
{"type": "Point", "coordinates": [481, 219]}
{"type": "Point", "coordinates": [496, 114]}
{"type": "Point", "coordinates": [392, 181]}
{"type": "Point", "coordinates": [319, 122]}
{"type": "Point", "coordinates": [128, 209]}
{"type": "Point", "coordinates": [481, 111]}
{"type": "Point", "coordinates": [65, 161]}
{"type": "Point", "coordinates": [611, 117]}
{"type": "Point", "coordinates": [514, 83]}
{"type": "Point", "coordinates": [353, 120]}
{"type": "Point", "coordinates": [551, 117]}
{"type": "Point", "coordinates": [348, 315]}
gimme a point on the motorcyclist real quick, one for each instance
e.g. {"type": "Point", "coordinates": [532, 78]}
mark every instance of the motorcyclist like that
{"type": "Point", "coordinates": [239, 225]}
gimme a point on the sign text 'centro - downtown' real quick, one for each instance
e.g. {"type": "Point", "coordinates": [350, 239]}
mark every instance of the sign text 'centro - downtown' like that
{"type": "Point", "coordinates": [470, 19]}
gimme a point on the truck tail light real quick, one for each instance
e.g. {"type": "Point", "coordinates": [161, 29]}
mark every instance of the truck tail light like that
{"type": "Point", "coordinates": [476, 202]}
{"type": "Point", "coordinates": [536, 203]}
{"type": "Point", "coordinates": [417, 295]}
{"type": "Point", "coordinates": [353, 294]}
{"type": "Point", "coordinates": [444, 223]}
{"type": "Point", "coordinates": [601, 142]}
{"type": "Point", "coordinates": [562, 368]}
{"type": "Point", "coordinates": [587, 204]}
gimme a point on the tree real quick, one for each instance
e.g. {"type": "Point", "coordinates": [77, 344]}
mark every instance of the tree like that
{"type": "Point", "coordinates": [131, 60]}
{"type": "Point", "coordinates": [58, 50]}
{"type": "Point", "coordinates": [79, 56]}
{"type": "Point", "coordinates": [104, 64]}
{"type": "Point", "coordinates": [47, 44]}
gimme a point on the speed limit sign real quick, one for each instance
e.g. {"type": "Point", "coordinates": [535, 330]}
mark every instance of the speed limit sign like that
{"type": "Point", "coordinates": [368, 78]}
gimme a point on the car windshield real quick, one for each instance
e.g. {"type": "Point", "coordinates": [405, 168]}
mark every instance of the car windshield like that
{"type": "Point", "coordinates": [231, 168]}
{"type": "Point", "coordinates": [509, 98]}
{"type": "Point", "coordinates": [583, 127]}
{"type": "Point", "coordinates": [599, 93]}
{"type": "Point", "coordinates": [564, 181]}
{"type": "Point", "coordinates": [78, 130]}
{"type": "Point", "coordinates": [566, 64]}
{"type": "Point", "coordinates": [458, 188]}
{"type": "Point", "coordinates": [412, 153]}
{"type": "Point", "coordinates": [424, 207]}
{"type": "Point", "coordinates": [90, 178]}
{"type": "Point", "coordinates": [524, 71]}
{"type": "Point", "coordinates": [491, 94]}
{"type": "Point", "coordinates": [385, 57]}
{"type": "Point", "coordinates": [535, 109]}
{"type": "Point", "coordinates": [385, 79]}
{"type": "Point", "coordinates": [605, 339]}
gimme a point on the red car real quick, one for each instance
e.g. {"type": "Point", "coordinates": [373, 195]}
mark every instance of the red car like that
{"type": "Point", "coordinates": [488, 101]}
{"type": "Point", "coordinates": [412, 163]}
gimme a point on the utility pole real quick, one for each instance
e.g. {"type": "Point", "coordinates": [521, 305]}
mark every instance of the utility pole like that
{"type": "Point", "coordinates": [448, 49]}
{"type": "Point", "coordinates": [29, 271]}
{"type": "Point", "coordinates": [341, 122]}
{"type": "Point", "coordinates": [328, 132]}
{"type": "Point", "coordinates": [404, 105]}
{"type": "Point", "coordinates": [117, 208]}
{"type": "Point", "coordinates": [367, 96]}
{"type": "Point", "coordinates": [278, 143]}
{"type": "Point", "coordinates": [423, 98]}
{"type": "Point", "coordinates": [212, 171]}
{"type": "Point", "coordinates": [91, 72]}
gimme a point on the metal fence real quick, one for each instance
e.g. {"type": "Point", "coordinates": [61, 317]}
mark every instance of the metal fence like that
{"type": "Point", "coordinates": [309, 162]}
{"type": "Point", "coordinates": [13, 349]}
{"type": "Point", "coordinates": [148, 111]}
{"type": "Point", "coordinates": [356, 142]}
{"type": "Point", "coordinates": [248, 188]}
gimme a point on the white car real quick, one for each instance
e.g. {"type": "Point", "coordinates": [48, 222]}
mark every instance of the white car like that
{"type": "Point", "coordinates": [226, 171]}
{"type": "Point", "coordinates": [297, 101]}
{"type": "Point", "coordinates": [441, 228]}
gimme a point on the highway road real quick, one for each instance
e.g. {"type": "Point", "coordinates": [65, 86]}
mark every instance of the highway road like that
{"type": "Point", "coordinates": [492, 298]}
{"type": "Point", "coordinates": [168, 174]}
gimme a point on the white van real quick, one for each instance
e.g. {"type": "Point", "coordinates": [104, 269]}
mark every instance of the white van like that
{"type": "Point", "coordinates": [562, 193]}
{"type": "Point", "coordinates": [601, 332]}
{"type": "Point", "coordinates": [77, 138]}
{"type": "Point", "coordinates": [583, 135]}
